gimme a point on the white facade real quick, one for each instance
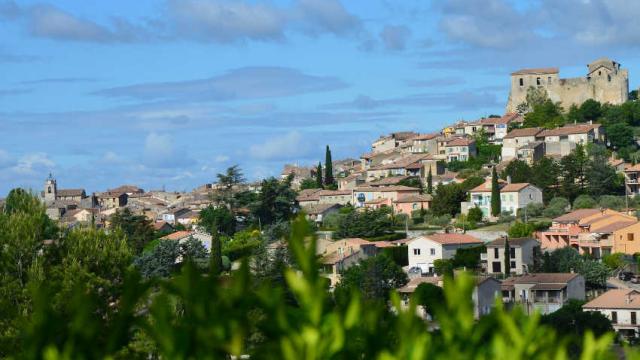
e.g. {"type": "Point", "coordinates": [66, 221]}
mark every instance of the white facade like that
{"type": "Point", "coordinates": [424, 251]}
{"type": "Point", "coordinates": [510, 146]}
{"type": "Point", "coordinates": [510, 201]}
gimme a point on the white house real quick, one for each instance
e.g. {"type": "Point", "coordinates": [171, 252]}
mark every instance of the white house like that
{"type": "Point", "coordinates": [543, 292]}
{"type": "Point", "coordinates": [460, 149]}
{"type": "Point", "coordinates": [520, 255]}
{"type": "Point", "coordinates": [426, 249]}
{"type": "Point", "coordinates": [512, 197]}
{"type": "Point", "coordinates": [517, 138]}
{"type": "Point", "coordinates": [622, 307]}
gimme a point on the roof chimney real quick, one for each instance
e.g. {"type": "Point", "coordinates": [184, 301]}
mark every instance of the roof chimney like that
{"type": "Point", "coordinates": [508, 179]}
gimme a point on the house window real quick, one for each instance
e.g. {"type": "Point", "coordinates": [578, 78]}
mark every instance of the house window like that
{"type": "Point", "coordinates": [633, 318]}
{"type": "Point", "coordinates": [512, 252]}
{"type": "Point", "coordinates": [599, 72]}
{"type": "Point", "coordinates": [416, 251]}
{"type": "Point", "coordinates": [49, 189]}
{"type": "Point", "coordinates": [614, 317]}
{"type": "Point", "coordinates": [513, 266]}
{"type": "Point", "coordinates": [630, 237]}
{"type": "Point", "coordinates": [537, 81]}
{"type": "Point", "coordinates": [433, 251]}
{"type": "Point", "coordinates": [521, 82]}
{"type": "Point", "coordinates": [496, 254]}
{"type": "Point", "coordinates": [549, 79]}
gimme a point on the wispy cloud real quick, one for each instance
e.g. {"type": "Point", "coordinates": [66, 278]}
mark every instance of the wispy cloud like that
{"type": "Point", "coordinates": [12, 92]}
{"type": "Point", "coordinates": [394, 37]}
{"type": "Point", "coordinates": [62, 80]}
{"type": "Point", "coordinates": [462, 100]}
{"type": "Point", "coordinates": [243, 83]}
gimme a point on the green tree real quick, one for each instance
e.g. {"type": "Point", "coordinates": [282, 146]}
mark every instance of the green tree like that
{"type": "Point", "coordinates": [614, 261]}
{"type": "Point", "coordinates": [495, 193]}
{"type": "Point", "coordinates": [159, 261]}
{"type": "Point", "coordinates": [309, 184]}
{"type": "Point", "coordinates": [429, 296]}
{"type": "Point", "coordinates": [572, 321]}
{"type": "Point", "coordinates": [574, 169]}
{"type": "Point", "coordinates": [547, 114]}
{"type": "Point", "coordinates": [368, 224]}
{"type": "Point", "coordinates": [521, 230]}
{"type": "Point", "coordinates": [518, 170]}
{"type": "Point", "coordinates": [620, 135]}
{"type": "Point", "coordinates": [447, 199]}
{"type": "Point", "coordinates": [137, 228]}
{"type": "Point", "coordinates": [468, 258]}
{"type": "Point", "coordinates": [374, 277]}
{"type": "Point", "coordinates": [507, 257]}
{"type": "Point", "coordinates": [231, 177]}
{"type": "Point", "coordinates": [328, 167]}
{"type": "Point", "coordinates": [276, 202]}
{"type": "Point", "coordinates": [544, 175]}
{"type": "Point", "coordinates": [556, 207]}
{"type": "Point", "coordinates": [584, 202]}
{"type": "Point", "coordinates": [319, 181]}
{"type": "Point", "coordinates": [602, 177]}
{"type": "Point", "coordinates": [443, 267]}
{"type": "Point", "coordinates": [429, 182]}
{"type": "Point", "coordinates": [475, 215]}
{"type": "Point", "coordinates": [218, 220]}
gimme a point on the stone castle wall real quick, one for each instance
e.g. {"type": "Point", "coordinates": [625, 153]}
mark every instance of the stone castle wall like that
{"type": "Point", "coordinates": [603, 85]}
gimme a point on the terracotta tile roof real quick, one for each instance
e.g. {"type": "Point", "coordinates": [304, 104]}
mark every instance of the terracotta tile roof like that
{"type": "Point", "coordinates": [334, 257]}
{"type": "Point", "coordinates": [570, 129]}
{"type": "Point", "coordinates": [576, 215]}
{"type": "Point", "coordinates": [610, 228]}
{"type": "Point", "coordinates": [546, 278]}
{"type": "Point", "coordinates": [392, 180]}
{"type": "Point", "coordinates": [512, 242]}
{"type": "Point", "coordinates": [536, 71]}
{"type": "Point", "coordinates": [504, 119]}
{"type": "Point", "coordinates": [177, 235]}
{"type": "Point", "coordinates": [414, 198]}
{"type": "Point", "coordinates": [504, 187]}
{"type": "Point", "coordinates": [615, 299]}
{"type": "Point", "coordinates": [449, 239]}
{"type": "Point", "coordinates": [377, 201]}
{"type": "Point", "coordinates": [385, 188]}
{"type": "Point", "coordinates": [426, 136]}
{"type": "Point", "coordinates": [523, 132]}
{"type": "Point", "coordinates": [633, 168]}
{"type": "Point", "coordinates": [316, 209]}
{"type": "Point", "coordinates": [461, 142]}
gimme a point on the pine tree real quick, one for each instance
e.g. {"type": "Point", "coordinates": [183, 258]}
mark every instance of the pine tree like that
{"type": "Point", "coordinates": [495, 194]}
{"type": "Point", "coordinates": [507, 257]}
{"type": "Point", "coordinates": [328, 168]}
{"type": "Point", "coordinates": [319, 175]}
{"type": "Point", "coordinates": [429, 182]}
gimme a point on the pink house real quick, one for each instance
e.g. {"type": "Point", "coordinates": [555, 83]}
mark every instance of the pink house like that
{"type": "Point", "coordinates": [409, 203]}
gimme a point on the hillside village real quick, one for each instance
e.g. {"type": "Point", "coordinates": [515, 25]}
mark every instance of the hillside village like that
{"type": "Point", "coordinates": [538, 204]}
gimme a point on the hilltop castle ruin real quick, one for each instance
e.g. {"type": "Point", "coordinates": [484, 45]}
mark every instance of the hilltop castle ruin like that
{"type": "Point", "coordinates": [605, 82]}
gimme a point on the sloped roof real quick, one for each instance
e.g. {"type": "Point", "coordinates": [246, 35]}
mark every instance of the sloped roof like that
{"type": "Point", "coordinates": [385, 188]}
{"type": "Point", "coordinates": [615, 299]}
{"type": "Point", "coordinates": [413, 284]}
{"type": "Point", "coordinates": [499, 242]}
{"type": "Point", "coordinates": [392, 180]}
{"type": "Point", "coordinates": [504, 187]}
{"type": "Point", "coordinates": [315, 209]}
{"type": "Point", "coordinates": [536, 71]}
{"type": "Point", "coordinates": [451, 239]}
{"type": "Point", "coordinates": [570, 129]}
{"type": "Point", "coordinates": [504, 119]}
{"type": "Point", "coordinates": [414, 198]}
{"type": "Point", "coordinates": [523, 132]}
{"type": "Point", "coordinates": [177, 235]}
{"type": "Point", "coordinates": [610, 228]}
{"type": "Point", "coordinates": [461, 142]}
{"type": "Point", "coordinates": [576, 215]}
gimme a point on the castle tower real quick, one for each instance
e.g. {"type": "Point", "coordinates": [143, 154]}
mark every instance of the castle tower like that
{"type": "Point", "coordinates": [50, 189]}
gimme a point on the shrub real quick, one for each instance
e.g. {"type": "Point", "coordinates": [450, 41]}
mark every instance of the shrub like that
{"type": "Point", "coordinates": [584, 202]}
{"type": "Point", "coordinates": [556, 207]}
{"type": "Point", "coordinates": [506, 217]}
{"type": "Point", "coordinates": [611, 202]}
{"type": "Point", "coordinates": [475, 215]}
{"type": "Point", "coordinates": [532, 210]}
{"type": "Point", "coordinates": [521, 230]}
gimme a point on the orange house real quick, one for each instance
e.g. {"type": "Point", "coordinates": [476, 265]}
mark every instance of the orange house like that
{"type": "Point", "coordinates": [627, 239]}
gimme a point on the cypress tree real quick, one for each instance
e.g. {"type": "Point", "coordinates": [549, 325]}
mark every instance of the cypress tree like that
{"type": "Point", "coordinates": [328, 168]}
{"type": "Point", "coordinates": [507, 257]}
{"type": "Point", "coordinates": [319, 175]}
{"type": "Point", "coordinates": [216, 255]}
{"type": "Point", "coordinates": [429, 182]}
{"type": "Point", "coordinates": [495, 194]}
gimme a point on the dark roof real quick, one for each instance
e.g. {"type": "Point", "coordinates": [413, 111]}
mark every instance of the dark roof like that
{"type": "Point", "coordinates": [512, 242]}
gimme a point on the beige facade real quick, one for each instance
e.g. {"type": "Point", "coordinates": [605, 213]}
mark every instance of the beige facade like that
{"type": "Point", "coordinates": [605, 82]}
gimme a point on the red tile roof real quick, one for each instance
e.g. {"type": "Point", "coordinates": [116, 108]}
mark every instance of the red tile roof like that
{"type": "Point", "coordinates": [461, 142]}
{"type": "Point", "coordinates": [576, 215]}
{"type": "Point", "coordinates": [570, 129]}
{"type": "Point", "coordinates": [449, 239]}
{"type": "Point", "coordinates": [615, 299]}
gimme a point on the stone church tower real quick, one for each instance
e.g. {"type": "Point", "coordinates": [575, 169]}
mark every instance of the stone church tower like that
{"type": "Point", "coordinates": [50, 190]}
{"type": "Point", "coordinates": [605, 82]}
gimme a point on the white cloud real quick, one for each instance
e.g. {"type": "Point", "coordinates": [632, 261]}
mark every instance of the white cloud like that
{"type": "Point", "coordinates": [222, 158]}
{"type": "Point", "coordinates": [34, 163]}
{"type": "Point", "coordinates": [287, 146]}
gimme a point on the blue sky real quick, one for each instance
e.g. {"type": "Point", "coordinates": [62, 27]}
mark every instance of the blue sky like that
{"type": "Point", "coordinates": [168, 93]}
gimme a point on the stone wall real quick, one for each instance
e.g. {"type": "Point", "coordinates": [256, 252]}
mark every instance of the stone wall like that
{"type": "Point", "coordinates": [602, 85]}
